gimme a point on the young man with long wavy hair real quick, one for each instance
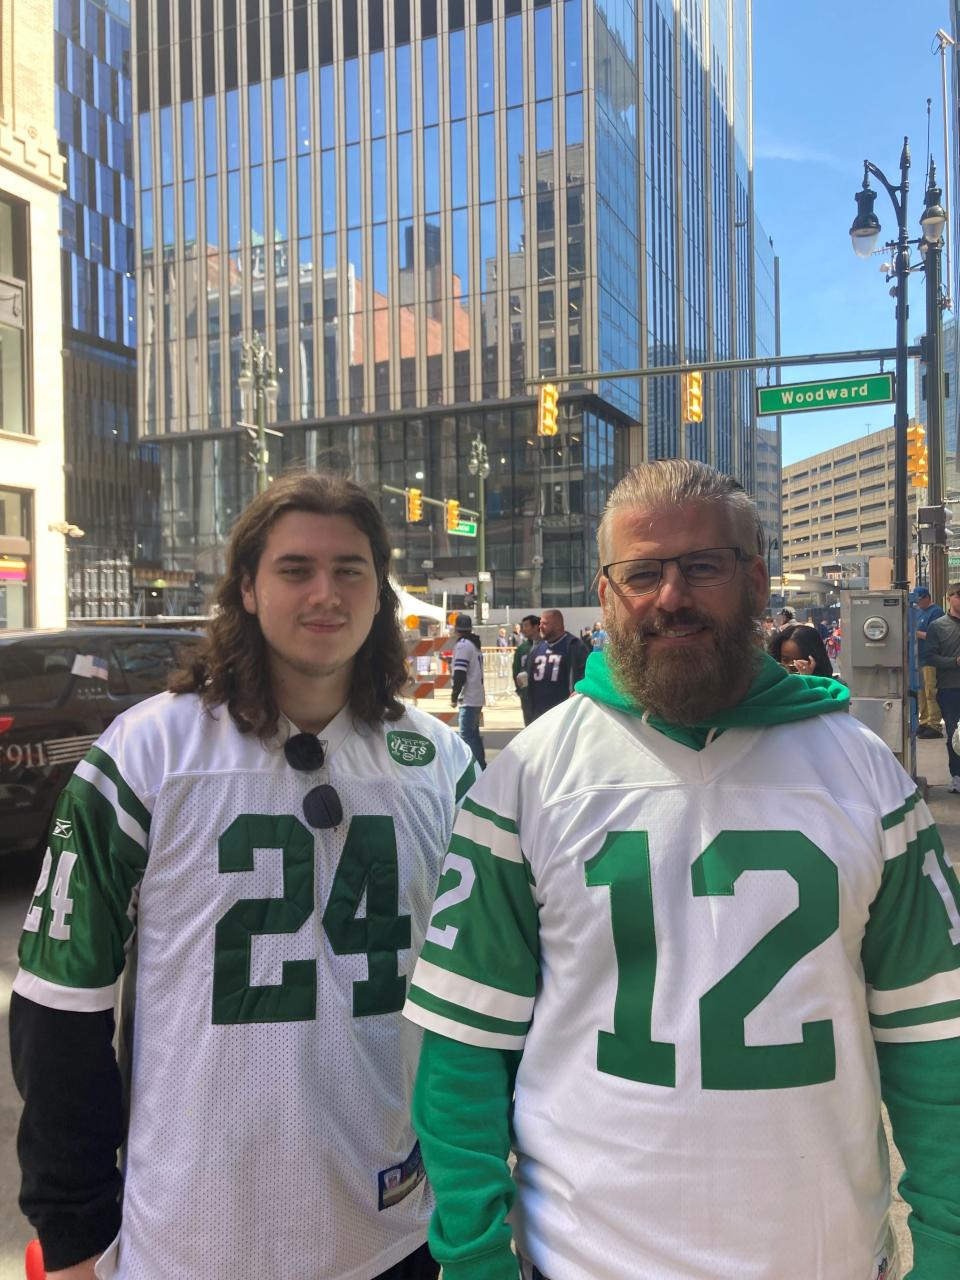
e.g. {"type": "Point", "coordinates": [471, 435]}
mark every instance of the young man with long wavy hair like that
{"type": "Point", "coordinates": [266, 837]}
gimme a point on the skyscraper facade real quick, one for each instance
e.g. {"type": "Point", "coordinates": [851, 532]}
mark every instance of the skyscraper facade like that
{"type": "Point", "coordinates": [426, 208]}
{"type": "Point", "coordinates": [112, 485]}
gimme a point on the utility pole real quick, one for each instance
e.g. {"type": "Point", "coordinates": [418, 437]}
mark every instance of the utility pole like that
{"type": "Point", "coordinates": [479, 466]}
{"type": "Point", "coordinates": [931, 248]}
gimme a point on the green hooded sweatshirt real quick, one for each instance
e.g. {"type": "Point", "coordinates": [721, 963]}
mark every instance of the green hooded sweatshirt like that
{"type": "Point", "coordinates": [463, 1096]}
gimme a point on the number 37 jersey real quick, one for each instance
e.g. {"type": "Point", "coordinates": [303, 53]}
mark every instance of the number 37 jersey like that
{"type": "Point", "coordinates": [269, 1129]}
{"type": "Point", "coordinates": [696, 951]}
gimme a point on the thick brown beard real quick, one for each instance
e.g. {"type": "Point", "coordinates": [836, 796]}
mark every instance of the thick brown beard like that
{"type": "Point", "coordinates": [684, 686]}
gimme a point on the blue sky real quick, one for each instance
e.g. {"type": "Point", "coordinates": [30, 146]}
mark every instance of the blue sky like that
{"type": "Point", "coordinates": [833, 85]}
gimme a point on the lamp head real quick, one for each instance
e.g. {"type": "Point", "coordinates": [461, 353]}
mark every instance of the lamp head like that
{"type": "Point", "coordinates": [865, 231]}
{"type": "Point", "coordinates": [933, 219]}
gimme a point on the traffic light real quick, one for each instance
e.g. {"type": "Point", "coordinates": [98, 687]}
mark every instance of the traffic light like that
{"type": "Point", "coordinates": [453, 515]}
{"type": "Point", "coordinates": [414, 505]}
{"type": "Point", "coordinates": [469, 594]}
{"type": "Point", "coordinates": [691, 396]}
{"type": "Point", "coordinates": [917, 455]}
{"type": "Point", "coordinates": [547, 410]}
{"type": "Point", "coordinates": [933, 526]}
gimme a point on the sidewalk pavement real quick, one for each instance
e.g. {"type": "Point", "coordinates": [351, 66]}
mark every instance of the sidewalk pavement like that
{"type": "Point", "coordinates": [503, 719]}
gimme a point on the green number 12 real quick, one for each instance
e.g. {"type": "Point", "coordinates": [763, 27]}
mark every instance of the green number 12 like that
{"type": "Point", "coordinates": [726, 1060]}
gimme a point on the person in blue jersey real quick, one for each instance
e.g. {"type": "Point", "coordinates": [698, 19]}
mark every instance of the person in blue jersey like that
{"type": "Point", "coordinates": [261, 844]}
{"type": "Point", "coordinates": [688, 935]}
{"type": "Point", "coordinates": [554, 664]}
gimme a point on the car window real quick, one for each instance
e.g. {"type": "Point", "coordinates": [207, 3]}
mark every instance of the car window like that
{"type": "Point", "coordinates": [34, 675]}
{"type": "Point", "coordinates": [140, 666]}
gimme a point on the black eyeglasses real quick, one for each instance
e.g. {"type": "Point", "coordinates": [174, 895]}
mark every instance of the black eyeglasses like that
{"type": "Point", "coordinates": [321, 805]}
{"type": "Point", "coordinates": [710, 568]}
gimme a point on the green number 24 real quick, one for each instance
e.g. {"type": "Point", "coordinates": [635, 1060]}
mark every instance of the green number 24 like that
{"type": "Point", "coordinates": [368, 865]}
{"type": "Point", "coordinates": [726, 1060]}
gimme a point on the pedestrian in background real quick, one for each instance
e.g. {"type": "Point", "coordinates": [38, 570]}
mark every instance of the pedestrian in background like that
{"type": "Point", "coordinates": [928, 709]}
{"type": "Point", "coordinates": [800, 649]}
{"type": "Point", "coordinates": [267, 836]}
{"type": "Point", "coordinates": [942, 652]}
{"type": "Point", "coordinates": [467, 689]}
{"type": "Point", "coordinates": [555, 664]}
{"type": "Point", "coordinates": [530, 629]}
{"type": "Point", "coordinates": [684, 944]}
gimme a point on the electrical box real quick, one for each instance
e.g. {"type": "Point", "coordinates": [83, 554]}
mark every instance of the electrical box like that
{"type": "Point", "coordinates": [873, 662]}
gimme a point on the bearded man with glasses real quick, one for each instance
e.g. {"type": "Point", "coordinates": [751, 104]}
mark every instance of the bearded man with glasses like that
{"type": "Point", "coordinates": [267, 839]}
{"type": "Point", "coordinates": [688, 935]}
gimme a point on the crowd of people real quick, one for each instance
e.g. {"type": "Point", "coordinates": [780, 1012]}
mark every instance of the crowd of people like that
{"type": "Point", "coordinates": [624, 1003]}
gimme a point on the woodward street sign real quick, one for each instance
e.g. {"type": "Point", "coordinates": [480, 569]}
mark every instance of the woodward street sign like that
{"type": "Point", "coordinates": [465, 529]}
{"type": "Point", "coordinates": [840, 393]}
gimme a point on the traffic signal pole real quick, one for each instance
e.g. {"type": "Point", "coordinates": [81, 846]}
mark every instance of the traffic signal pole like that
{"type": "Point", "coordinates": [933, 356]}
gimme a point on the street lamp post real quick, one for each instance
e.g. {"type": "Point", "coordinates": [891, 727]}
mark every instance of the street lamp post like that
{"type": "Point", "coordinates": [932, 222]}
{"type": "Point", "coordinates": [257, 374]}
{"type": "Point", "coordinates": [479, 466]}
{"type": "Point", "coordinates": [864, 234]}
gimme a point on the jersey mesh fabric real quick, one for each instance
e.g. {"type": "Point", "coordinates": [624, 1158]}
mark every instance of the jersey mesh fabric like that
{"type": "Point", "coordinates": [255, 1146]}
{"type": "Point", "coordinates": [678, 941]}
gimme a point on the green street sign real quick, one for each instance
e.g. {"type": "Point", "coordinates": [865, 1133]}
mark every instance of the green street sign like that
{"type": "Point", "coordinates": [465, 529]}
{"type": "Point", "coordinates": [839, 393]}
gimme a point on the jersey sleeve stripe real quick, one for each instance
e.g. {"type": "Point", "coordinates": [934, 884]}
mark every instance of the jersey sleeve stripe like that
{"type": "Point", "coordinates": [941, 987]}
{"type": "Point", "coordinates": [468, 993]}
{"type": "Point", "coordinates": [897, 815]}
{"type": "Point", "coordinates": [950, 1009]}
{"type": "Point", "coordinates": [467, 779]}
{"type": "Point", "coordinates": [921, 1034]}
{"type": "Point", "coordinates": [458, 1031]}
{"type": "Point", "coordinates": [457, 1019]}
{"type": "Point", "coordinates": [107, 788]}
{"type": "Point", "coordinates": [69, 999]}
{"type": "Point", "coordinates": [128, 797]}
{"type": "Point", "coordinates": [473, 836]}
{"type": "Point", "coordinates": [497, 819]}
{"type": "Point", "coordinates": [908, 834]}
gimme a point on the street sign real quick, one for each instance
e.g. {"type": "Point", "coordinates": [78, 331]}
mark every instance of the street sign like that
{"type": "Point", "coordinates": [465, 529]}
{"type": "Point", "coordinates": [839, 393]}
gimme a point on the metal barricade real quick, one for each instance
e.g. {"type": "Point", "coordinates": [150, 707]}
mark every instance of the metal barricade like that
{"type": "Point", "coordinates": [498, 675]}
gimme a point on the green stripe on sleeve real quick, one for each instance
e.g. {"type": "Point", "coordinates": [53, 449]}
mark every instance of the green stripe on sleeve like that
{"type": "Point", "coordinates": [897, 815]}
{"type": "Point", "coordinates": [479, 810]}
{"type": "Point", "coordinates": [467, 779]}
{"type": "Point", "coordinates": [457, 1013]}
{"type": "Point", "coordinates": [128, 798]}
{"type": "Point", "coordinates": [917, 1017]}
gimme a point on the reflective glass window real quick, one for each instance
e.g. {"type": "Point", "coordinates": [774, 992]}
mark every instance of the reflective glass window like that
{"type": "Point", "coordinates": [405, 175]}
{"type": "Point", "coordinates": [146, 219]}
{"type": "Point", "coordinates": [279, 106]}
{"type": "Point", "coordinates": [488, 244]}
{"type": "Point", "coordinates": [280, 225]}
{"type": "Point", "coordinates": [460, 223]}
{"type": "Point", "coordinates": [515, 226]}
{"type": "Point", "coordinates": [431, 169]}
{"type": "Point", "coordinates": [166, 144]}
{"type": "Point", "coordinates": [233, 128]}
{"type": "Point", "coordinates": [431, 107]}
{"type": "Point", "coordinates": [212, 236]}
{"type": "Point", "coordinates": [546, 305]}
{"type": "Point", "coordinates": [330, 253]}
{"type": "Point", "coordinates": [458, 76]}
{"type": "Point", "coordinates": [146, 154]}
{"type": "Point", "coordinates": [328, 191]}
{"type": "Point", "coordinates": [256, 204]}
{"type": "Point", "coordinates": [573, 45]}
{"type": "Point", "coordinates": [487, 155]}
{"type": "Point", "coordinates": [514, 72]}
{"type": "Point", "coordinates": [514, 151]}
{"type": "Point", "coordinates": [351, 99]}
{"type": "Point", "coordinates": [234, 212]}
{"type": "Point", "coordinates": [380, 265]}
{"type": "Point", "coordinates": [303, 111]}
{"type": "Point", "coordinates": [485, 67]}
{"type": "Point", "coordinates": [543, 52]}
{"type": "Point", "coordinates": [378, 179]}
{"type": "Point", "coordinates": [304, 197]}
{"type": "Point", "coordinates": [544, 126]}
{"type": "Point", "coordinates": [403, 87]}
{"type": "Point", "coordinates": [210, 164]}
{"type": "Point", "coordinates": [405, 245]}
{"type": "Point", "coordinates": [354, 202]}
{"type": "Point", "coordinates": [188, 148]}
{"type": "Point", "coordinates": [255, 122]}
{"type": "Point", "coordinates": [378, 112]}
{"type": "Point", "coordinates": [355, 260]}
{"type": "Point", "coordinates": [574, 119]}
{"type": "Point", "coordinates": [546, 263]}
{"type": "Point", "coordinates": [458, 164]}
{"type": "Point", "coordinates": [306, 261]}
{"type": "Point", "coordinates": [327, 100]}
{"type": "Point", "coordinates": [190, 212]}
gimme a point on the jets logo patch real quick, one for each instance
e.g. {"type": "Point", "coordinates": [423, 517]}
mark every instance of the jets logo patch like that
{"type": "Point", "coordinates": [410, 748]}
{"type": "Point", "coordinates": [63, 828]}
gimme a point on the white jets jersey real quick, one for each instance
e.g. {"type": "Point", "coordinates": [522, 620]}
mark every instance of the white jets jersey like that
{"type": "Point", "coordinates": [269, 1130]}
{"type": "Point", "coordinates": [696, 951]}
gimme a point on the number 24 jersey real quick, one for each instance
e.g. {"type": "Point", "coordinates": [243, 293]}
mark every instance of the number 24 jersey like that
{"type": "Point", "coordinates": [696, 951]}
{"type": "Point", "coordinates": [269, 1128]}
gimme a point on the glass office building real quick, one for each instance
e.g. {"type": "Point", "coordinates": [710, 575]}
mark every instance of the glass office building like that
{"type": "Point", "coordinates": [425, 208]}
{"type": "Point", "coordinates": [112, 485]}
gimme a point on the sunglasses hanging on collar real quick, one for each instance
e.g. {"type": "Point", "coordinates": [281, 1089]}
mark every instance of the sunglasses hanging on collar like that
{"type": "Point", "coordinates": [321, 805]}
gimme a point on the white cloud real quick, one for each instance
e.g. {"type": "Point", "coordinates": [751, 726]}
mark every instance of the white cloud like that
{"type": "Point", "coordinates": [796, 153]}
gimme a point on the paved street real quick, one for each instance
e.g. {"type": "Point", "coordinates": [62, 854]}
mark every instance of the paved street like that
{"type": "Point", "coordinates": [501, 723]}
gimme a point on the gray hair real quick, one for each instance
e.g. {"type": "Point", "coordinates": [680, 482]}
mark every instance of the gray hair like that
{"type": "Point", "coordinates": [671, 482]}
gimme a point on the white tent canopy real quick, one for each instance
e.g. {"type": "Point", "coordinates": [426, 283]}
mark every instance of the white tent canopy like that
{"type": "Point", "coordinates": [410, 604]}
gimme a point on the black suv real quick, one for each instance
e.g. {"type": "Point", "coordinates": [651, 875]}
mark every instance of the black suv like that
{"type": "Point", "coordinates": [58, 692]}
